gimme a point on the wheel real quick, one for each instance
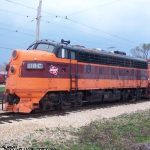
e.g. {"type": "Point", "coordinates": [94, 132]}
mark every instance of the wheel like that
{"type": "Point", "coordinates": [46, 105]}
{"type": "Point", "coordinates": [78, 100]}
{"type": "Point", "coordinates": [124, 96]}
{"type": "Point", "coordinates": [64, 102]}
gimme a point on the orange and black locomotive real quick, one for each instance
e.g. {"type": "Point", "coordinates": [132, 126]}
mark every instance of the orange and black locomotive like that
{"type": "Point", "coordinates": [52, 75]}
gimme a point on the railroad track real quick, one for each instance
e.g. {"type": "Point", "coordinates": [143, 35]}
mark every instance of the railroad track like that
{"type": "Point", "coordinates": [88, 111]}
{"type": "Point", "coordinates": [1, 102]}
{"type": "Point", "coordinates": [86, 106]}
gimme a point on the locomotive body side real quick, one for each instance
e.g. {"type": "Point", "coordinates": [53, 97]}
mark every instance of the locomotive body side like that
{"type": "Point", "coordinates": [39, 79]}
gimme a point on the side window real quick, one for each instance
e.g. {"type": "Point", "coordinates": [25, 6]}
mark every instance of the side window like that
{"type": "Point", "coordinates": [62, 53]}
{"type": "Point", "coordinates": [100, 70]}
{"type": "Point", "coordinates": [88, 68]}
{"type": "Point", "coordinates": [31, 47]}
{"type": "Point", "coordinates": [72, 55]}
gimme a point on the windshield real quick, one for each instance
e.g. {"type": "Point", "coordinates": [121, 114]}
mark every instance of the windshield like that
{"type": "Point", "coordinates": [42, 46]}
{"type": "Point", "coordinates": [31, 47]}
{"type": "Point", "coordinates": [45, 47]}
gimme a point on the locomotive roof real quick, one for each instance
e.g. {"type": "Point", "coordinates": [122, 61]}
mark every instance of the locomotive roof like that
{"type": "Point", "coordinates": [101, 52]}
{"type": "Point", "coordinates": [83, 49]}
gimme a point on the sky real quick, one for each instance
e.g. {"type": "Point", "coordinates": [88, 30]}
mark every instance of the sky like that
{"type": "Point", "coordinates": [119, 24]}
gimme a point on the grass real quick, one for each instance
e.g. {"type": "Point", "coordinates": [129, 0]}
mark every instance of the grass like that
{"type": "Point", "coordinates": [121, 132]}
{"type": "Point", "coordinates": [2, 89]}
{"type": "Point", "coordinates": [46, 144]}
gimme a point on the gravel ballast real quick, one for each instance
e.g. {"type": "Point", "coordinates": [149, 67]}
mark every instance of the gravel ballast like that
{"type": "Point", "coordinates": [18, 127]}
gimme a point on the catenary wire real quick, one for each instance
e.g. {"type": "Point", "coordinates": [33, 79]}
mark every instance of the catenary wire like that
{"type": "Point", "coordinates": [66, 18]}
{"type": "Point", "coordinates": [99, 6]}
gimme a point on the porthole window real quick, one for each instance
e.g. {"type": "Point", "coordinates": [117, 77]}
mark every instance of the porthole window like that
{"type": "Point", "coordinates": [100, 70]}
{"type": "Point", "coordinates": [88, 68]}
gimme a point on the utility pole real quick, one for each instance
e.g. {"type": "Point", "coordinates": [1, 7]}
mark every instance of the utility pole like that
{"type": "Point", "coordinates": [38, 20]}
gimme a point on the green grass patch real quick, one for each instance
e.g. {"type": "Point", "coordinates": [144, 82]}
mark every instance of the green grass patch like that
{"type": "Point", "coordinates": [142, 139]}
{"type": "Point", "coordinates": [85, 146]}
{"type": "Point", "coordinates": [2, 89]}
{"type": "Point", "coordinates": [121, 132]}
{"type": "Point", "coordinates": [46, 144]}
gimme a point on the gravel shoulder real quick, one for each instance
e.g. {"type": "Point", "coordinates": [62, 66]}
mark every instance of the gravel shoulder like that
{"type": "Point", "coordinates": [13, 126]}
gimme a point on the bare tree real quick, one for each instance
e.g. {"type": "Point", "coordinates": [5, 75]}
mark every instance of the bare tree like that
{"type": "Point", "coordinates": [141, 51]}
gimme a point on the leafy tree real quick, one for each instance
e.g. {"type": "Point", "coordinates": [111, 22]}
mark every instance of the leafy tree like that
{"type": "Point", "coordinates": [141, 51]}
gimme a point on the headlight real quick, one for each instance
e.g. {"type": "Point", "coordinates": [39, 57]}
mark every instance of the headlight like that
{"type": "Point", "coordinates": [35, 66]}
{"type": "Point", "coordinates": [14, 54]}
{"type": "Point", "coordinates": [12, 69]}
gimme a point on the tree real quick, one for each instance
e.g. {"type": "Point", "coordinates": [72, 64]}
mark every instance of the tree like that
{"type": "Point", "coordinates": [141, 51]}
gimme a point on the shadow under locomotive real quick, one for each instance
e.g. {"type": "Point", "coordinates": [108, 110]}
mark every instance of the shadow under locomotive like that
{"type": "Point", "coordinates": [15, 117]}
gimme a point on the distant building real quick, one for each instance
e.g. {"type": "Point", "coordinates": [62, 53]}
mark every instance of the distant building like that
{"type": "Point", "coordinates": [2, 78]}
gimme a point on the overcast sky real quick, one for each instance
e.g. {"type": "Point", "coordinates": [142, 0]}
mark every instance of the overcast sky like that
{"type": "Point", "coordinates": [122, 24]}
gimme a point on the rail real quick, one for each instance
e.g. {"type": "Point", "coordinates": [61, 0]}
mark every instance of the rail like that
{"type": "Point", "coordinates": [2, 99]}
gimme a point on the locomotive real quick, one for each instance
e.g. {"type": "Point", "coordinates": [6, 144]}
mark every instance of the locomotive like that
{"type": "Point", "coordinates": [57, 75]}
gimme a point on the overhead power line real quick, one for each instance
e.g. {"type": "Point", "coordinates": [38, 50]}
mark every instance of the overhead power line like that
{"type": "Point", "coordinates": [90, 8]}
{"type": "Point", "coordinates": [26, 6]}
{"type": "Point", "coordinates": [76, 22]}
{"type": "Point", "coordinates": [13, 2]}
{"type": "Point", "coordinates": [16, 31]}
{"type": "Point", "coordinates": [89, 33]}
{"type": "Point", "coordinates": [7, 48]}
{"type": "Point", "coordinates": [15, 13]}
{"type": "Point", "coordinates": [97, 29]}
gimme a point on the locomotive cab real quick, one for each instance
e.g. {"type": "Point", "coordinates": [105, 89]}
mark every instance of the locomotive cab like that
{"type": "Point", "coordinates": [31, 73]}
{"type": "Point", "coordinates": [23, 69]}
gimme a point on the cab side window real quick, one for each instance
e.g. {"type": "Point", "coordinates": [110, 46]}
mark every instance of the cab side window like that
{"type": "Point", "coordinates": [62, 53]}
{"type": "Point", "coordinates": [67, 54]}
{"type": "Point", "coordinates": [72, 55]}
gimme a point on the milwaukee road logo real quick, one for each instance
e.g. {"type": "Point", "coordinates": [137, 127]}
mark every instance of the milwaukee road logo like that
{"type": "Point", "coordinates": [53, 70]}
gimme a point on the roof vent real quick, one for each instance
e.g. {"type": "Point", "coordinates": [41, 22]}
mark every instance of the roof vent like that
{"type": "Point", "coordinates": [65, 42]}
{"type": "Point", "coordinates": [119, 52]}
{"type": "Point", "coordinates": [79, 46]}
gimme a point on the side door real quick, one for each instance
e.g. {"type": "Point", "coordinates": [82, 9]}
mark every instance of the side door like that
{"type": "Point", "coordinates": [139, 78]}
{"type": "Point", "coordinates": [73, 71]}
{"type": "Point", "coordinates": [60, 70]}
